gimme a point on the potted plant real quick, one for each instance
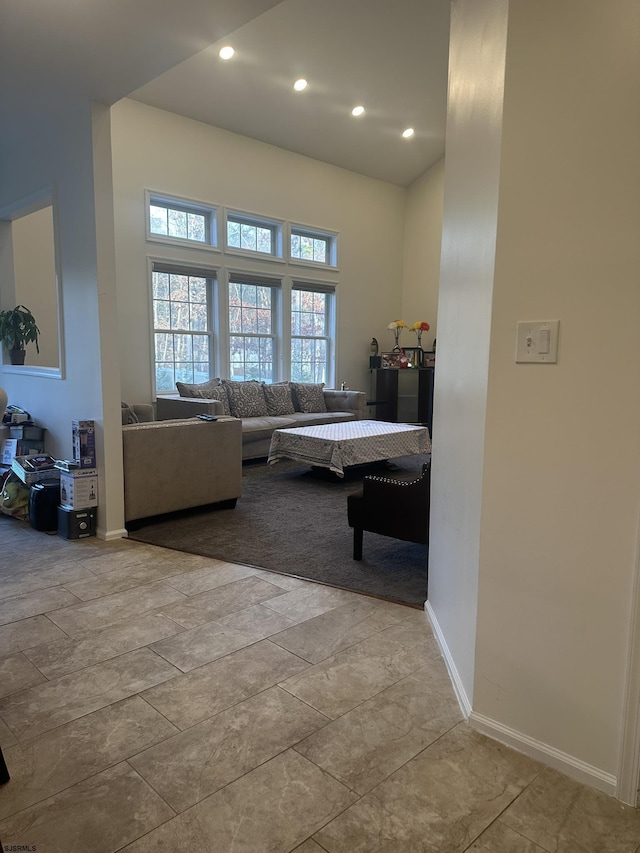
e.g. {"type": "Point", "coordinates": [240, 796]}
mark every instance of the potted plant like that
{"type": "Point", "coordinates": [17, 329]}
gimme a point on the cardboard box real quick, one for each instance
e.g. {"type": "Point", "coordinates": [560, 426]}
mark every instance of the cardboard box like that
{"type": "Point", "coordinates": [84, 443]}
{"type": "Point", "coordinates": [9, 450]}
{"type": "Point", "coordinates": [78, 489]}
{"type": "Point", "coordinates": [30, 477]}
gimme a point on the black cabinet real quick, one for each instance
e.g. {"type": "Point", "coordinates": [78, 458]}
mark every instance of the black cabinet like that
{"type": "Point", "coordinates": [403, 395]}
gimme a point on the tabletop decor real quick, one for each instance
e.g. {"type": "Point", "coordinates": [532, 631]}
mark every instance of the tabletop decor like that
{"type": "Point", "coordinates": [396, 327]}
{"type": "Point", "coordinates": [419, 328]}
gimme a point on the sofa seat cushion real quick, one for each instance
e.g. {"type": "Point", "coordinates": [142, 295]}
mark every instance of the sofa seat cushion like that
{"type": "Point", "coordinates": [246, 399]}
{"type": "Point", "coordinates": [312, 418]}
{"type": "Point", "coordinates": [256, 429]}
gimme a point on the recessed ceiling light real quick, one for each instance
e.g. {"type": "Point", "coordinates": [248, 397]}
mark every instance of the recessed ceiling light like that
{"type": "Point", "coordinates": [408, 133]}
{"type": "Point", "coordinates": [300, 84]}
{"type": "Point", "coordinates": [226, 52]}
{"type": "Point", "coordinates": [357, 111]}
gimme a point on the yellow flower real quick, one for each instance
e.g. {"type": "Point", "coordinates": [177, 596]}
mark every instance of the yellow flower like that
{"type": "Point", "coordinates": [420, 327]}
{"type": "Point", "coordinates": [397, 324]}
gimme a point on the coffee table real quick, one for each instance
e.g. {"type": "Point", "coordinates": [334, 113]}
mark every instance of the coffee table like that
{"type": "Point", "coordinates": [338, 446]}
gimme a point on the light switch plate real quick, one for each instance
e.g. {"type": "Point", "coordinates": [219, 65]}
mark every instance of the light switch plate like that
{"type": "Point", "coordinates": [537, 342]}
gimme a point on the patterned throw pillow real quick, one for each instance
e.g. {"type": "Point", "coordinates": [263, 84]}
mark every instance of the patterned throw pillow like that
{"type": "Point", "coordinates": [278, 399]}
{"type": "Point", "coordinates": [219, 393]}
{"type": "Point", "coordinates": [246, 399]}
{"type": "Point", "coordinates": [128, 415]}
{"type": "Point", "coordinates": [192, 390]}
{"type": "Point", "coordinates": [308, 397]}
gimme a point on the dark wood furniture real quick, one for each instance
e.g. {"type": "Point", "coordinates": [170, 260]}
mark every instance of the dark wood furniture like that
{"type": "Point", "coordinates": [403, 395]}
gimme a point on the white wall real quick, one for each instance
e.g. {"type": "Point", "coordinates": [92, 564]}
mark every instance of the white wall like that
{"type": "Point", "coordinates": [476, 68]}
{"type": "Point", "coordinates": [422, 242]}
{"type": "Point", "coordinates": [562, 463]}
{"type": "Point", "coordinates": [58, 152]}
{"type": "Point", "coordinates": [538, 527]}
{"type": "Point", "coordinates": [156, 150]}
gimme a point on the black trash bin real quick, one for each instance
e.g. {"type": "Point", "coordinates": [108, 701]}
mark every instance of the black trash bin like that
{"type": "Point", "coordinates": [43, 506]}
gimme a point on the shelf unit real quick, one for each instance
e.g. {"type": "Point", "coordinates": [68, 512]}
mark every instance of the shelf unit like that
{"type": "Point", "coordinates": [403, 395]}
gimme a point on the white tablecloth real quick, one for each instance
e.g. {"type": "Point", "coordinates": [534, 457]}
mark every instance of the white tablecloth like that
{"type": "Point", "coordinates": [336, 446]}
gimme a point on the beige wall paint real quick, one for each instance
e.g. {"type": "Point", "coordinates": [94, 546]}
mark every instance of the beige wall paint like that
{"type": "Point", "coordinates": [422, 242]}
{"type": "Point", "coordinates": [562, 463]}
{"type": "Point", "coordinates": [160, 151]}
{"type": "Point", "coordinates": [34, 269]}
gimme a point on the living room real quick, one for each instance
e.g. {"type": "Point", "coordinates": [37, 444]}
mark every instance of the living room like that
{"type": "Point", "coordinates": [533, 555]}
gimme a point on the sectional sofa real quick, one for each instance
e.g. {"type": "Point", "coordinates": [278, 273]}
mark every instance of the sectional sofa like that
{"type": "Point", "coordinates": [263, 407]}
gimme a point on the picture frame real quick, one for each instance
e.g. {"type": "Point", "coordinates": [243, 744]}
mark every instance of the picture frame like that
{"type": "Point", "coordinates": [415, 355]}
{"type": "Point", "coordinates": [391, 359]}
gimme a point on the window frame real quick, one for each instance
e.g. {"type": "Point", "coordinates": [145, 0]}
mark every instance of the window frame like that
{"type": "Point", "coordinates": [331, 238]}
{"type": "Point", "coordinates": [162, 265]}
{"type": "Point", "coordinates": [210, 212]}
{"type": "Point", "coordinates": [275, 283]}
{"type": "Point", "coordinates": [276, 226]}
{"type": "Point", "coordinates": [329, 289]}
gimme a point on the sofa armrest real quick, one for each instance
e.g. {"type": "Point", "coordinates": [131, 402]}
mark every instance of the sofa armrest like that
{"type": "Point", "coordinates": [174, 406]}
{"type": "Point", "coordinates": [346, 401]}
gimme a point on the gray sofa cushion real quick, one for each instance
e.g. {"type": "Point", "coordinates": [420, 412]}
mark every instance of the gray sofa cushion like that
{"type": "Point", "coordinates": [256, 429]}
{"type": "Point", "coordinates": [219, 393]}
{"type": "Point", "coordinates": [193, 390]}
{"type": "Point", "coordinates": [246, 399]}
{"type": "Point", "coordinates": [278, 399]}
{"type": "Point", "coordinates": [308, 396]}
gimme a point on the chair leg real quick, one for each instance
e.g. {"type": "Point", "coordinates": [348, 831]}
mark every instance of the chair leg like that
{"type": "Point", "coordinates": [357, 543]}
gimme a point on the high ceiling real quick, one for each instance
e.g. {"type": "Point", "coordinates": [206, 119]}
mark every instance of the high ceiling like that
{"type": "Point", "coordinates": [391, 57]}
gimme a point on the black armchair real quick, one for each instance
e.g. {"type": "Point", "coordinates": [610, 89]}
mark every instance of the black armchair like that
{"type": "Point", "coordinates": [395, 508]}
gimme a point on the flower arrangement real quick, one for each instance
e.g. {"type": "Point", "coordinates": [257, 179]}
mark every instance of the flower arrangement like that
{"type": "Point", "coordinates": [419, 328]}
{"type": "Point", "coordinates": [396, 327]}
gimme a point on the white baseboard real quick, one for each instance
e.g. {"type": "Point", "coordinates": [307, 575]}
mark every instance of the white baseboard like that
{"type": "Point", "coordinates": [542, 752]}
{"type": "Point", "coordinates": [461, 694]}
{"type": "Point", "coordinates": [561, 761]}
{"type": "Point", "coordinates": [108, 535]}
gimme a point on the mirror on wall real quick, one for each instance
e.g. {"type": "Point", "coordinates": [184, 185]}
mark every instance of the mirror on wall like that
{"type": "Point", "coordinates": [29, 276]}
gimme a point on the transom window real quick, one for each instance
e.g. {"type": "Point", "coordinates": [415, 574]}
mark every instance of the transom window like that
{"type": "Point", "coordinates": [182, 328]}
{"type": "Point", "coordinates": [311, 324]}
{"type": "Point", "coordinates": [312, 247]}
{"type": "Point", "coordinates": [180, 222]}
{"type": "Point", "coordinates": [252, 235]}
{"type": "Point", "coordinates": [251, 329]}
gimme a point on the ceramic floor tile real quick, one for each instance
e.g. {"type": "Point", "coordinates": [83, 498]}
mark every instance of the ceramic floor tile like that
{"type": "Point", "coordinates": [91, 647]}
{"type": "Point", "coordinates": [60, 758]}
{"type": "Point", "coordinates": [324, 635]}
{"type": "Point", "coordinates": [27, 633]}
{"type": "Point", "coordinates": [562, 815]}
{"type": "Point", "coordinates": [308, 846]}
{"type": "Point", "coordinates": [343, 681]}
{"type": "Point", "coordinates": [34, 603]}
{"type": "Point", "coordinates": [368, 744]}
{"type": "Point", "coordinates": [114, 608]}
{"type": "Point", "coordinates": [194, 763]}
{"type": "Point", "coordinates": [128, 555]}
{"type": "Point", "coordinates": [120, 579]}
{"type": "Point", "coordinates": [100, 815]}
{"type": "Point", "coordinates": [309, 601]}
{"type": "Point", "coordinates": [273, 809]}
{"type": "Point", "coordinates": [283, 581]}
{"type": "Point", "coordinates": [7, 737]}
{"type": "Point", "coordinates": [221, 601]}
{"type": "Point", "coordinates": [210, 577]}
{"type": "Point", "coordinates": [257, 622]}
{"type": "Point", "coordinates": [439, 801]}
{"type": "Point", "coordinates": [16, 673]}
{"type": "Point", "coordinates": [219, 685]}
{"type": "Point", "coordinates": [198, 646]}
{"type": "Point", "coordinates": [41, 708]}
{"type": "Point", "coordinates": [35, 579]}
{"type": "Point", "coordinates": [498, 838]}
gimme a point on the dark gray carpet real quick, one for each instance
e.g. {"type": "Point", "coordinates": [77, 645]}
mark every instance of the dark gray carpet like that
{"type": "Point", "coordinates": [294, 521]}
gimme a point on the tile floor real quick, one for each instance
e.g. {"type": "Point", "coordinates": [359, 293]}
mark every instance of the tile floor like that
{"type": "Point", "coordinates": [158, 701]}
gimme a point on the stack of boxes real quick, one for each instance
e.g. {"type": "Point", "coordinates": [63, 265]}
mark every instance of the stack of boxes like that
{"type": "Point", "coordinates": [79, 485]}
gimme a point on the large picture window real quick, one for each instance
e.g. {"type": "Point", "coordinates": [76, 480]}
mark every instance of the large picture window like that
{"type": "Point", "coordinates": [311, 332]}
{"type": "Point", "coordinates": [251, 328]}
{"type": "Point", "coordinates": [182, 326]}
